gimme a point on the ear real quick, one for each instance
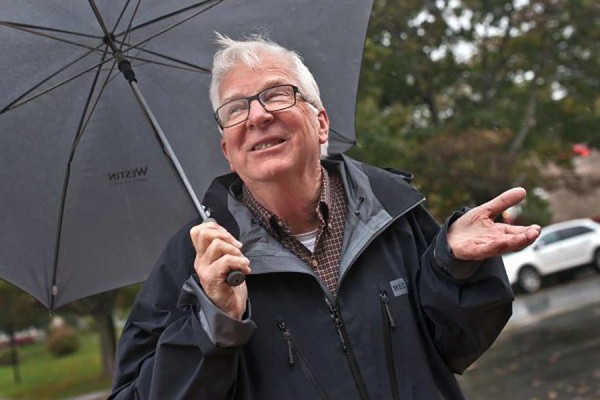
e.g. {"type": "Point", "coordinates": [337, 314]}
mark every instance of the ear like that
{"type": "Point", "coordinates": [323, 119]}
{"type": "Point", "coordinates": [224, 150]}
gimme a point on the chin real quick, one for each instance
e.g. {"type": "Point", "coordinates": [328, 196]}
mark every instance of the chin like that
{"type": "Point", "coordinates": [270, 172]}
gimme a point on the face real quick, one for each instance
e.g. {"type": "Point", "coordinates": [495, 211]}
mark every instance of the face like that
{"type": "Point", "coordinates": [277, 146]}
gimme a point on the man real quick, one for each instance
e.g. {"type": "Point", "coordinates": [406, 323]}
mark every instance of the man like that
{"type": "Point", "coordinates": [352, 290]}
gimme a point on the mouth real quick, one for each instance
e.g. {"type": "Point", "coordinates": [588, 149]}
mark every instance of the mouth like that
{"type": "Point", "coordinates": [267, 145]}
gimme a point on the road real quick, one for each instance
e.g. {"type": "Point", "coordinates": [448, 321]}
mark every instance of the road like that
{"type": "Point", "coordinates": [549, 350]}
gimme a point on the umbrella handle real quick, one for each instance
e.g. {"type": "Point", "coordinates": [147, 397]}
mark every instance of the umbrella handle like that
{"type": "Point", "coordinates": [234, 277]}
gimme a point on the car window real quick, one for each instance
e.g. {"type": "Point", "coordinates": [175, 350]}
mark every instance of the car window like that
{"type": "Point", "coordinates": [549, 238]}
{"type": "Point", "coordinates": [574, 231]}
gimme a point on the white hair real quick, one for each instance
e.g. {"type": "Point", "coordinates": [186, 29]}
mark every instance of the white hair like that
{"type": "Point", "coordinates": [248, 53]}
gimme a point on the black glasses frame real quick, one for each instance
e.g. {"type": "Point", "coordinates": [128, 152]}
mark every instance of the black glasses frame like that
{"type": "Point", "coordinates": [256, 97]}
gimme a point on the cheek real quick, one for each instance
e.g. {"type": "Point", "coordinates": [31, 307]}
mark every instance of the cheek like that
{"type": "Point", "coordinates": [228, 149]}
{"type": "Point", "coordinates": [312, 127]}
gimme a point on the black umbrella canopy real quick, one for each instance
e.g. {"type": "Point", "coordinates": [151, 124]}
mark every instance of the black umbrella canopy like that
{"type": "Point", "coordinates": [88, 197]}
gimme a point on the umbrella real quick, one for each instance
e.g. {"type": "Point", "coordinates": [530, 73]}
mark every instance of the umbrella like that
{"type": "Point", "coordinates": [88, 197]}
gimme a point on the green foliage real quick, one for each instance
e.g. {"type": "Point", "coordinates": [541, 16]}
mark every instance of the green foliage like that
{"type": "Point", "coordinates": [535, 210]}
{"type": "Point", "coordinates": [19, 309]}
{"type": "Point", "coordinates": [62, 341]}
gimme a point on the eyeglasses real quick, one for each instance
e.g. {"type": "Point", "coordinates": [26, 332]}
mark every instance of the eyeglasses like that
{"type": "Point", "coordinates": [236, 111]}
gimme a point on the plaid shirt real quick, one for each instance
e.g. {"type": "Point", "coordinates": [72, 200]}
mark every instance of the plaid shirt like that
{"type": "Point", "coordinates": [331, 211]}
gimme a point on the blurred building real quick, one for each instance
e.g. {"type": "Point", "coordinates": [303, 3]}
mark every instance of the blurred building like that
{"type": "Point", "coordinates": [578, 195]}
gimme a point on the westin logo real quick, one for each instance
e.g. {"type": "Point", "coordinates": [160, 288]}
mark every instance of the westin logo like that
{"type": "Point", "coordinates": [135, 174]}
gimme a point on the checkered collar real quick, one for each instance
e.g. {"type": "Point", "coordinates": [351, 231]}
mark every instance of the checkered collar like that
{"type": "Point", "coordinates": [278, 225]}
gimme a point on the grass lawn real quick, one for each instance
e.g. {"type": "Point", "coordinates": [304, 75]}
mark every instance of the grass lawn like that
{"type": "Point", "coordinates": [44, 377]}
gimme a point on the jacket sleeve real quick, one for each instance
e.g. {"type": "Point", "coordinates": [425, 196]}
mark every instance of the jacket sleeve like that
{"type": "Point", "coordinates": [466, 304]}
{"type": "Point", "coordinates": [175, 343]}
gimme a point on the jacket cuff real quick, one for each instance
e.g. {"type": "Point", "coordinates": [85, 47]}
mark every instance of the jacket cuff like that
{"type": "Point", "coordinates": [221, 329]}
{"type": "Point", "coordinates": [449, 264]}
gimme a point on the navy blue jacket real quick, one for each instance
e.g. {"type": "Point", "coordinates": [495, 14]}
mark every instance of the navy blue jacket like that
{"type": "Point", "coordinates": [406, 318]}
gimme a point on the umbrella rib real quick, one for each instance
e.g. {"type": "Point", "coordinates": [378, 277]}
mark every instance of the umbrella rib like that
{"type": "Point", "coordinates": [46, 28]}
{"type": "Point", "coordinates": [46, 79]}
{"type": "Point", "coordinates": [192, 67]}
{"type": "Point", "coordinates": [16, 105]}
{"type": "Point", "coordinates": [123, 13]}
{"type": "Point", "coordinates": [341, 137]}
{"type": "Point", "coordinates": [99, 18]}
{"type": "Point", "coordinates": [174, 25]}
{"type": "Point", "coordinates": [22, 28]}
{"type": "Point", "coordinates": [133, 14]}
{"type": "Point", "coordinates": [68, 177]}
{"type": "Point", "coordinates": [104, 85]}
{"type": "Point", "coordinates": [123, 42]}
{"type": "Point", "coordinates": [183, 68]}
{"type": "Point", "coordinates": [191, 7]}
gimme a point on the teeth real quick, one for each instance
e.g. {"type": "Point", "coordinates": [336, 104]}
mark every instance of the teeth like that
{"type": "Point", "coordinates": [263, 146]}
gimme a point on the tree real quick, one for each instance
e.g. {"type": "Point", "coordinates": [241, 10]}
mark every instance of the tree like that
{"type": "Point", "coordinates": [19, 311]}
{"type": "Point", "coordinates": [440, 79]}
{"type": "Point", "coordinates": [102, 307]}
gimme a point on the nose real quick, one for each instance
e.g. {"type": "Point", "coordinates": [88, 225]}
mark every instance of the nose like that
{"type": "Point", "coordinates": [257, 115]}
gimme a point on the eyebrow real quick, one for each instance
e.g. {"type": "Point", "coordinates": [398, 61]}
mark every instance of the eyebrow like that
{"type": "Point", "coordinates": [268, 84]}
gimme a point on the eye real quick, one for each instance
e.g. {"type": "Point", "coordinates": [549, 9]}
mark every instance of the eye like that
{"type": "Point", "coordinates": [276, 94]}
{"type": "Point", "coordinates": [234, 108]}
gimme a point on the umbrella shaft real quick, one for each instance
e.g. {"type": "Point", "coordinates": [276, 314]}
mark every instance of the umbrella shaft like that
{"type": "Point", "coordinates": [168, 149]}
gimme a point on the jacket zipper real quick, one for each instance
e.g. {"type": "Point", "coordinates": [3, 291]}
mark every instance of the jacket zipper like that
{"type": "Point", "coordinates": [388, 320]}
{"type": "Point", "coordinates": [347, 349]}
{"type": "Point", "coordinates": [337, 317]}
{"type": "Point", "coordinates": [294, 349]}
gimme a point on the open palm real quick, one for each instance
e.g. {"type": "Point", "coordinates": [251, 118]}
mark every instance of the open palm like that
{"type": "Point", "coordinates": [475, 235]}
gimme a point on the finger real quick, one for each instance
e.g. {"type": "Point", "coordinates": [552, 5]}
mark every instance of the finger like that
{"type": "Point", "coordinates": [207, 238]}
{"type": "Point", "coordinates": [206, 227]}
{"type": "Point", "coordinates": [504, 201]}
{"type": "Point", "coordinates": [203, 235]}
{"type": "Point", "coordinates": [209, 225]}
{"type": "Point", "coordinates": [219, 248]}
{"type": "Point", "coordinates": [532, 231]}
{"type": "Point", "coordinates": [230, 263]}
{"type": "Point", "coordinates": [500, 245]}
{"type": "Point", "coordinates": [217, 271]}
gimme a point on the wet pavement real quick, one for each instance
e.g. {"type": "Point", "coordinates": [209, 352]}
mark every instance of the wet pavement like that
{"type": "Point", "coordinates": [549, 350]}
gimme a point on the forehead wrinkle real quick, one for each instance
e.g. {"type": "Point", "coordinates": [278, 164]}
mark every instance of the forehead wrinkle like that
{"type": "Point", "coordinates": [269, 71]}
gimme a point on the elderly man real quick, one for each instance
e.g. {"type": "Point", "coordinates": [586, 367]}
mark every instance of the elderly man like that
{"type": "Point", "coordinates": [352, 290]}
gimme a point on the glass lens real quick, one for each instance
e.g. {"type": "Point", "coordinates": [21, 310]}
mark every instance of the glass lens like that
{"type": "Point", "coordinates": [278, 98]}
{"type": "Point", "coordinates": [233, 112]}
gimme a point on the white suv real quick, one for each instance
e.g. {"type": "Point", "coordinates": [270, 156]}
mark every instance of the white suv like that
{"type": "Point", "coordinates": [559, 248]}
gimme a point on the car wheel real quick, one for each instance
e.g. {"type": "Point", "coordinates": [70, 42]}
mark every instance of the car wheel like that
{"type": "Point", "coordinates": [596, 262]}
{"type": "Point", "coordinates": [529, 279]}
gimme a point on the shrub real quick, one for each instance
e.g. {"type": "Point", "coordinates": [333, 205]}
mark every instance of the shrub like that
{"type": "Point", "coordinates": [62, 341]}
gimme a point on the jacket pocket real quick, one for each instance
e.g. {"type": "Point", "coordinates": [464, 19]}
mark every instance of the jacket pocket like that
{"type": "Point", "coordinates": [388, 326]}
{"type": "Point", "coordinates": [295, 356]}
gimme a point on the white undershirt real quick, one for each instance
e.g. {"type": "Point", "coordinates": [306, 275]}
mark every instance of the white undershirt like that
{"type": "Point", "coordinates": [308, 239]}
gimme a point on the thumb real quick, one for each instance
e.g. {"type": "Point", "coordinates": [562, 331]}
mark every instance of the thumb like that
{"type": "Point", "coordinates": [502, 202]}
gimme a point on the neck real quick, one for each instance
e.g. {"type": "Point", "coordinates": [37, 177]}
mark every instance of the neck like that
{"type": "Point", "coordinates": [294, 200]}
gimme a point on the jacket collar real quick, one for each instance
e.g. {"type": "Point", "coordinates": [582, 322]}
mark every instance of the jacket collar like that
{"type": "Point", "coordinates": [375, 198]}
{"type": "Point", "coordinates": [368, 190]}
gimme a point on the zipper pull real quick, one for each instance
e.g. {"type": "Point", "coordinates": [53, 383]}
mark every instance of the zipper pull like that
{"type": "Point", "coordinates": [337, 320]}
{"type": "Point", "coordinates": [385, 300]}
{"type": "Point", "coordinates": [288, 338]}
